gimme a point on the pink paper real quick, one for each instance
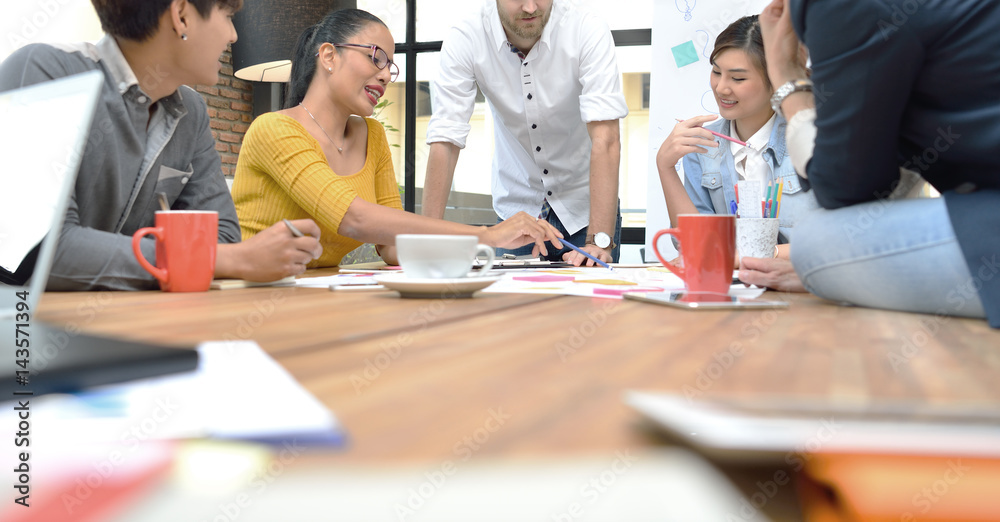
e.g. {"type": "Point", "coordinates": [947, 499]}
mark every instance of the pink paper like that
{"type": "Point", "coordinates": [547, 278]}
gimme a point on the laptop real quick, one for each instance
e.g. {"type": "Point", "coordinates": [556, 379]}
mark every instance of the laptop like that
{"type": "Point", "coordinates": [43, 133]}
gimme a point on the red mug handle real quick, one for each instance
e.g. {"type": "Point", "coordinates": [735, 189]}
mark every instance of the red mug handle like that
{"type": "Point", "coordinates": [678, 271]}
{"type": "Point", "coordinates": [158, 273]}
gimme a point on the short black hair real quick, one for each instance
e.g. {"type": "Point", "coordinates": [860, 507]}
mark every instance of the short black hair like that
{"type": "Point", "coordinates": [138, 19]}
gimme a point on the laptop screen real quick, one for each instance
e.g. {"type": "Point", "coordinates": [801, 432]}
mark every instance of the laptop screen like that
{"type": "Point", "coordinates": [43, 132]}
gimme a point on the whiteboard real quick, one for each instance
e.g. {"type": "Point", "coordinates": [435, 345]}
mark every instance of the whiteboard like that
{"type": "Point", "coordinates": [684, 33]}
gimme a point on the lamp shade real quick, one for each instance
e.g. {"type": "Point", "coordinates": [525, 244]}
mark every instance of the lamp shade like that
{"type": "Point", "coordinates": [268, 31]}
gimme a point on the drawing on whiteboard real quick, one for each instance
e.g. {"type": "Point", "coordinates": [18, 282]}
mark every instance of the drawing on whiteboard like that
{"type": "Point", "coordinates": [709, 105]}
{"type": "Point", "coordinates": [686, 7]}
{"type": "Point", "coordinates": [708, 39]}
{"type": "Point", "coordinates": [684, 54]}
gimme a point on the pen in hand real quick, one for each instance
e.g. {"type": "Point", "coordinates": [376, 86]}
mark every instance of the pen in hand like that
{"type": "Point", "coordinates": [723, 136]}
{"type": "Point", "coordinates": [291, 228]}
{"type": "Point", "coordinates": [578, 249]}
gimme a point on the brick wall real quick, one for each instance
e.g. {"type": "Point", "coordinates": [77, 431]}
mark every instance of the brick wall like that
{"type": "Point", "coordinates": [230, 107]}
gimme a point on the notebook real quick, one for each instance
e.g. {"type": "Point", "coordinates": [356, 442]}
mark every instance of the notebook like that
{"type": "Point", "coordinates": [43, 133]}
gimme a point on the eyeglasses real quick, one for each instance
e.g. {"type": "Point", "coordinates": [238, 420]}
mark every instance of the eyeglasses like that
{"type": "Point", "coordinates": [378, 56]}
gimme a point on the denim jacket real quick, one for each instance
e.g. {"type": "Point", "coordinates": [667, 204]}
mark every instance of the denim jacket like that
{"type": "Point", "coordinates": [711, 178]}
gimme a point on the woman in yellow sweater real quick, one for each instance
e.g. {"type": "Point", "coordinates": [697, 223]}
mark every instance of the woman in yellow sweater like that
{"type": "Point", "coordinates": [317, 159]}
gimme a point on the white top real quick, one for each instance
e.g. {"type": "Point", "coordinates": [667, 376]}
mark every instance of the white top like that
{"type": "Point", "coordinates": [800, 135]}
{"type": "Point", "coordinates": [540, 108]}
{"type": "Point", "coordinates": [749, 160]}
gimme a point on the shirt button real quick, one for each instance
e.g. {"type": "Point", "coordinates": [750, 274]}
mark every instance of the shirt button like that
{"type": "Point", "coordinates": [713, 182]}
{"type": "Point", "coordinates": [184, 180]}
{"type": "Point", "coordinates": [546, 171]}
{"type": "Point", "coordinates": [529, 95]}
{"type": "Point", "coordinates": [534, 126]}
{"type": "Point", "coordinates": [141, 99]}
{"type": "Point", "coordinates": [550, 192]}
{"type": "Point", "coordinates": [122, 86]}
{"type": "Point", "coordinates": [538, 149]}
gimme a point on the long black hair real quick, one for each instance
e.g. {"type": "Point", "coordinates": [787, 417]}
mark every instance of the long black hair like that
{"type": "Point", "coordinates": [337, 27]}
{"type": "Point", "coordinates": [744, 34]}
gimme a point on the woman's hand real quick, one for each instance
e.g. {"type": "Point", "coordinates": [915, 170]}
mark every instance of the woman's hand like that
{"type": "Point", "coordinates": [776, 274]}
{"type": "Point", "coordinates": [688, 136]}
{"type": "Point", "coordinates": [520, 230]}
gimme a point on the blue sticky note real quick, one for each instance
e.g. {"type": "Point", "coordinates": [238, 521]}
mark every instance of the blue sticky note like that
{"type": "Point", "coordinates": [685, 54]}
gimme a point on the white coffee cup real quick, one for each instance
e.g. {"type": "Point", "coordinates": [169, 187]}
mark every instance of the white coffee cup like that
{"type": "Point", "coordinates": [430, 256]}
{"type": "Point", "coordinates": [756, 237]}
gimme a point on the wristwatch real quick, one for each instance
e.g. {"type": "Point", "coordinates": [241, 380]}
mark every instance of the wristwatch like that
{"type": "Point", "coordinates": [602, 240]}
{"type": "Point", "coordinates": [787, 89]}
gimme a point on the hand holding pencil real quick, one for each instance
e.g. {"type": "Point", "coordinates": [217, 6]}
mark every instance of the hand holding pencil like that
{"type": "Point", "coordinates": [687, 136]}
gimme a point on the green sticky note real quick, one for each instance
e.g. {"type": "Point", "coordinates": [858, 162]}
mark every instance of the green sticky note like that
{"type": "Point", "coordinates": [684, 54]}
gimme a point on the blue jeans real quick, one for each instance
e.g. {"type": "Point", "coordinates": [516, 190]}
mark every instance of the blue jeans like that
{"type": "Point", "coordinates": [897, 255]}
{"type": "Point", "coordinates": [579, 239]}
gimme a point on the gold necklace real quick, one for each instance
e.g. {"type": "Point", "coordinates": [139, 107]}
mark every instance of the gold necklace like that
{"type": "Point", "coordinates": [339, 149]}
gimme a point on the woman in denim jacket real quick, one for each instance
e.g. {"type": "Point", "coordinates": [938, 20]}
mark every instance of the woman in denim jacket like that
{"type": "Point", "coordinates": [713, 165]}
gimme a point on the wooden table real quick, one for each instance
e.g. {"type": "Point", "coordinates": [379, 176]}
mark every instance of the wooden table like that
{"type": "Point", "coordinates": [409, 378]}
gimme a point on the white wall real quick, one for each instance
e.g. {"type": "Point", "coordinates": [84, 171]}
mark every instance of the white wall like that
{"type": "Point", "coordinates": [681, 91]}
{"type": "Point", "coordinates": [32, 21]}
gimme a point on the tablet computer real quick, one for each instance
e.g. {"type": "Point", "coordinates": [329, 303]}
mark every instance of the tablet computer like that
{"type": "Point", "coordinates": [703, 300]}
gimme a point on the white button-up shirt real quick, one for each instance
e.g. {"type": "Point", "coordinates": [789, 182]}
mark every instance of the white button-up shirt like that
{"type": "Point", "coordinates": [540, 107]}
{"type": "Point", "coordinates": [749, 161]}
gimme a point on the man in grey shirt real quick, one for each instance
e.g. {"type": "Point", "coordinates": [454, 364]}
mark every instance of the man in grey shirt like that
{"type": "Point", "coordinates": [150, 135]}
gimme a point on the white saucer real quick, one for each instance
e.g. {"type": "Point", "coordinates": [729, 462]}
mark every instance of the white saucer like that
{"type": "Point", "coordinates": [460, 287]}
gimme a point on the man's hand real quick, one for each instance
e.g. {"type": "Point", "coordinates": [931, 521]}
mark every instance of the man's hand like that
{"type": "Point", "coordinates": [776, 274]}
{"type": "Point", "coordinates": [579, 259]}
{"type": "Point", "coordinates": [520, 230]}
{"type": "Point", "coordinates": [784, 54]}
{"type": "Point", "coordinates": [273, 254]}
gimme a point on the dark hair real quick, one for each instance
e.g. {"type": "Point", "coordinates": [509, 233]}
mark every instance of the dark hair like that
{"type": "Point", "coordinates": [336, 27]}
{"type": "Point", "coordinates": [138, 19]}
{"type": "Point", "coordinates": [744, 34]}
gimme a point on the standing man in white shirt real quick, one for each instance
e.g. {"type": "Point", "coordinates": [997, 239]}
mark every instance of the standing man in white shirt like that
{"type": "Point", "coordinates": [551, 79]}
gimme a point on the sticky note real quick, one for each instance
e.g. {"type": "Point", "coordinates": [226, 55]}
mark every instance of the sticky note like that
{"type": "Point", "coordinates": [684, 54]}
{"type": "Point", "coordinates": [617, 282]}
{"type": "Point", "coordinates": [543, 278]}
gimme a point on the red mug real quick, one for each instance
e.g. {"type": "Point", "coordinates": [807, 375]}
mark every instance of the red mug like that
{"type": "Point", "coordinates": [708, 247]}
{"type": "Point", "coordinates": [186, 241]}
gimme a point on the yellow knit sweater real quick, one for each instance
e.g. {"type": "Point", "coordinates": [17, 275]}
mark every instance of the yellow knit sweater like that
{"type": "Point", "coordinates": [283, 173]}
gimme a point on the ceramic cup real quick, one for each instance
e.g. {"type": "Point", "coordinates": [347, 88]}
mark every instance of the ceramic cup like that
{"type": "Point", "coordinates": [756, 237]}
{"type": "Point", "coordinates": [708, 247]}
{"type": "Point", "coordinates": [186, 241]}
{"type": "Point", "coordinates": [429, 256]}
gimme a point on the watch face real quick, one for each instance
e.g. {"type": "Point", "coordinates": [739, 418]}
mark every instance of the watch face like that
{"type": "Point", "coordinates": [602, 240]}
